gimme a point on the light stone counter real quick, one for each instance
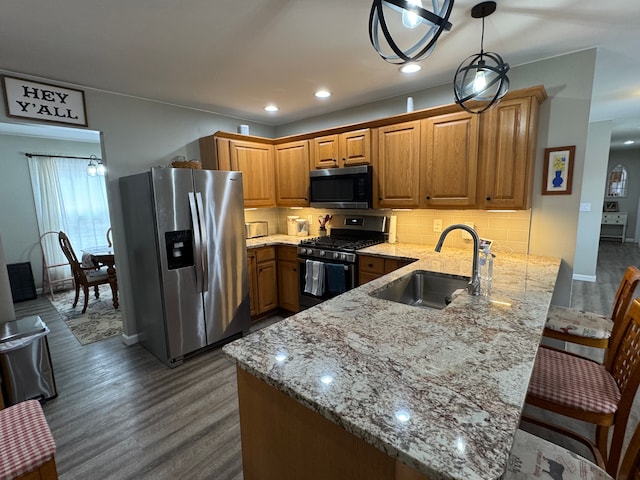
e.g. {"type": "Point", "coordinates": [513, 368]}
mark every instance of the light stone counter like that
{"type": "Point", "coordinates": [273, 240]}
{"type": "Point", "coordinates": [440, 390]}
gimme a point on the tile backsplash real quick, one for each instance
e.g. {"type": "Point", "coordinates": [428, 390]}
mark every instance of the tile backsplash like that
{"type": "Point", "coordinates": [508, 230]}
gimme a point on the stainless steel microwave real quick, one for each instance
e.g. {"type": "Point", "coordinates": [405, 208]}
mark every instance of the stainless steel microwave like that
{"type": "Point", "coordinates": [348, 187]}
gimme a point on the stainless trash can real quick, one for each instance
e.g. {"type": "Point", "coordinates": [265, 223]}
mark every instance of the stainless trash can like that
{"type": "Point", "coordinates": [25, 362]}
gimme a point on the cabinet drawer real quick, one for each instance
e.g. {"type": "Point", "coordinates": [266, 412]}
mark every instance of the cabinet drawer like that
{"type": "Point", "coordinates": [372, 264]}
{"type": "Point", "coordinates": [288, 253]}
{"type": "Point", "coordinates": [265, 253]}
{"type": "Point", "coordinates": [614, 218]}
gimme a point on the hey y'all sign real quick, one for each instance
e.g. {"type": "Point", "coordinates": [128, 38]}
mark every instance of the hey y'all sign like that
{"type": "Point", "coordinates": [41, 101]}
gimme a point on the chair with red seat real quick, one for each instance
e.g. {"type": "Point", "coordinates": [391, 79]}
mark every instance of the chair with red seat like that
{"type": "Point", "coordinates": [27, 448]}
{"type": "Point", "coordinates": [588, 391]}
{"type": "Point", "coordinates": [588, 328]}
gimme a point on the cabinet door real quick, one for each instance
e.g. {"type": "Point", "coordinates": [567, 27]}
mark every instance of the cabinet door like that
{"type": "Point", "coordinates": [256, 162]}
{"type": "Point", "coordinates": [267, 286]}
{"type": "Point", "coordinates": [252, 270]}
{"type": "Point", "coordinates": [355, 147]}
{"type": "Point", "coordinates": [326, 151]}
{"type": "Point", "coordinates": [292, 174]}
{"type": "Point", "coordinates": [451, 160]}
{"type": "Point", "coordinates": [507, 154]}
{"type": "Point", "coordinates": [398, 168]}
{"type": "Point", "coordinates": [288, 285]}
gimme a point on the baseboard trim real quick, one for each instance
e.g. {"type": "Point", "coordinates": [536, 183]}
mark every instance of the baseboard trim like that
{"type": "Point", "coordinates": [129, 340]}
{"type": "Point", "coordinates": [584, 278]}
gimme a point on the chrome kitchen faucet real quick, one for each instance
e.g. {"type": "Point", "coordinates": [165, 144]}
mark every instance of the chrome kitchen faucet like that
{"type": "Point", "coordinates": [474, 285]}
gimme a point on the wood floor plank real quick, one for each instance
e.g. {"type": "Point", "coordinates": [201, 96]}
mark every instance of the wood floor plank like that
{"type": "Point", "coordinates": [122, 414]}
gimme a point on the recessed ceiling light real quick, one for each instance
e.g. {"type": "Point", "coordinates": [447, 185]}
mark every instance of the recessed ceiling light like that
{"type": "Point", "coordinates": [271, 108]}
{"type": "Point", "coordinates": [629, 142]}
{"type": "Point", "coordinates": [410, 68]}
{"type": "Point", "coordinates": [323, 93]}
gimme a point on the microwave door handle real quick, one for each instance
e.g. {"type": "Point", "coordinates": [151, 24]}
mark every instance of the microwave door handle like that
{"type": "Point", "coordinates": [193, 209]}
{"type": "Point", "coordinates": [204, 239]}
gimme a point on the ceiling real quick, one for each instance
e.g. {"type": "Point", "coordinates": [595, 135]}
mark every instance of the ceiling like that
{"type": "Point", "coordinates": [235, 57]}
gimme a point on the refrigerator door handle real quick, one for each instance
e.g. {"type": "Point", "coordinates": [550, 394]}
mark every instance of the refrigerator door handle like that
{"type": "Point", "coordinates": [205, 242]}
{"type": "Point", "coordinates": [197, 240]}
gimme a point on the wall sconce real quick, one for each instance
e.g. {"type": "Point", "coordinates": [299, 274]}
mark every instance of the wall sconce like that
{"type": "Point", "coordinates": [481, 80]}
{"type": "Point", "coordinates": [95, 166]}
{"type": "Point", "coordinates": [412, 22]}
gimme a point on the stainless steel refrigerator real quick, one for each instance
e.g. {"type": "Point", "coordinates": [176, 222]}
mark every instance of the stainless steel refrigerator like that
{"type": "Point", "coordinates": [187, 258]}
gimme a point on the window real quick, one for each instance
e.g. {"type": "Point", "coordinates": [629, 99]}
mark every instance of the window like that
{"type": "Point", "coordinates": [617, 182]}
{"type": "Point", "coordinates": [66, 198]}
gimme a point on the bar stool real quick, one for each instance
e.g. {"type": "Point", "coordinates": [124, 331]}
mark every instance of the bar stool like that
{"type": "Point", "coordinates": [27, 447]}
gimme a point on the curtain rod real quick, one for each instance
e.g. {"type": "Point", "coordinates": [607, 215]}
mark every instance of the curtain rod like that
{"type": "Point", "coordinates": [92, 157]}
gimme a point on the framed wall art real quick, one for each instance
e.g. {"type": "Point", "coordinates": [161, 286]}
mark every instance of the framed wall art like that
{"type": "Point", "coordinates": [44, 102]}
{"type": "Point", "coordinates": [558, 170]}
{"type": "Point", "coordinates": [610, 206]}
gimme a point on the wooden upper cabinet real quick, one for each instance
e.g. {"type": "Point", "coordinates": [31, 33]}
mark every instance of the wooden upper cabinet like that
{"type": "Point", "coordinates": [326, 151]}
{"type": "Point", "coordinates": [507, 154]}
{"type": "Point", "coordinates": [398, 166]}
{"type": "Point", "coordinates": [355, 147]}
{"type": "Point", "coordinates": [256, 162]}
{"type": "Point", "coordinates": [292, 174]}
{"type": "Point", "coordinates": [450, 160]}
{"type": "Point", "coordinates": [342, 150]}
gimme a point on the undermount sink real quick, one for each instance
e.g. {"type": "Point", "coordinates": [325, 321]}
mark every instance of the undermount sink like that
{"type": "Point", "coordinates": [422, 288]}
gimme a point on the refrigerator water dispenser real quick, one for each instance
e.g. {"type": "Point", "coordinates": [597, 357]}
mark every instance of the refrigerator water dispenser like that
{"type": "Point", "coordinates": [179, 249]}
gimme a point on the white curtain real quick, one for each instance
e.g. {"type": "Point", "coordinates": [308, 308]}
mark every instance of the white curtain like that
{"type": "Point", "coordinates": [68, 199]}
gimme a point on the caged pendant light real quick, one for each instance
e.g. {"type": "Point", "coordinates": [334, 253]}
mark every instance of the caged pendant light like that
{"type": "Point", "coordinates": [481, 80]}
{"type": "Point", "coordinates": [419, 27]}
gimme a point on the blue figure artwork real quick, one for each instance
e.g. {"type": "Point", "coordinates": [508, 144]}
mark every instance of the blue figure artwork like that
{"type": "Point", "coordinates": [557, 180]}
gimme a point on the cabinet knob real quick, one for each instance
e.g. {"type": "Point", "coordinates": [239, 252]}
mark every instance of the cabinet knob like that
{"type": "Point", "coordinates": [295, 269]}
{"type": "Point", "coordinates": [488, 198]}
{"type": "Point", "coordinates": [428, 197]}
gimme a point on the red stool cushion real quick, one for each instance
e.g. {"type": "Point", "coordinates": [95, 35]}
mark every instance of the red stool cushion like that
{"type": "Point", "coordinates": [25, 439]}
{"type": "Point", "coordinates": [573, 382]}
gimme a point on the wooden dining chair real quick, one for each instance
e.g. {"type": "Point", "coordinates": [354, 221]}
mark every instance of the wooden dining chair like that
{"type": "Point", "coordinates": [109, 240]}
{"type": "Point", "coordinates": [588, 328]}
{"type": "Point", "coordinates": [588, 391]}
{"type": "Point", "coordinates": [534, 457]}
{"type": "Point", "coordinates": [84, 277]}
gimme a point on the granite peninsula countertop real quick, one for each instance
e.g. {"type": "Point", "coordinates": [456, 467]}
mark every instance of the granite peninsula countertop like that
{"type": "Point", "coordinates": [440, 390]}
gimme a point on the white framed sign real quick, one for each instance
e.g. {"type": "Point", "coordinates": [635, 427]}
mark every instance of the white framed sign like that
{"type": "Point", "coordinates": [41, 101]}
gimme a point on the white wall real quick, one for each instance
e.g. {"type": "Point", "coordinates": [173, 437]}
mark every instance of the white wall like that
{"type": "Point", "coordinates": [592, 193]}
{"type": "Point", "coordinates": [18, 222]}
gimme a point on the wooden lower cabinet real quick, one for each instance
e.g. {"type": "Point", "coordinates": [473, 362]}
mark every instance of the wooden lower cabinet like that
{"type": "Point", "coordinates": [284, 440]}
{"type": "Point", "coordinates": [263, 280]}
{"type": "Point", "coordinates": [288, 280]}
{"type": "Point", "coordinates": [370, 267]}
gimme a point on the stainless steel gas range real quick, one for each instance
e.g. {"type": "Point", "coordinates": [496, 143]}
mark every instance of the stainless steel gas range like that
{"type": "Point", "coordinates": [329, 265]}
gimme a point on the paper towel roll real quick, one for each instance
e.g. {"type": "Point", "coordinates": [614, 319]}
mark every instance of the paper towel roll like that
{"type": "Point", "coordinates": [393, 220]}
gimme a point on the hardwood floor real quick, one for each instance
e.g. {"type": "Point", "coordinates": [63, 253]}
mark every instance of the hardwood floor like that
{"type": "Point", "coordinates": [121, 414]}
{"type": "Point", "coordinates": [613, 260]}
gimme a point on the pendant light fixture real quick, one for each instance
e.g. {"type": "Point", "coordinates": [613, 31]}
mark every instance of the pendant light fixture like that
{"type": "Point", "coordinates": [481, 80]}
{"type": "Point", "coordinates": [418, 27]}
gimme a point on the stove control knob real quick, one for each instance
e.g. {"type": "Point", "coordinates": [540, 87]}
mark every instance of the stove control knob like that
{"type": "Point", "coordinates": [336, 255]}
{"type": "Point", "coordinates": [322, 253]}
{"type": "Point", "coordinates": [343, 257]}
